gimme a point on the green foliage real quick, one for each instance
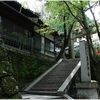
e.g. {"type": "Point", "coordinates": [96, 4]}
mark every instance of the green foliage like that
{"type": "Point", "coordinates": [77, 53]}
{"type": "Point", "coordinates": [57, 10]}
{"type": "Point", "coordinates": [27, 68]}
{"type": "Point", "coordinates": [45, 29]}
{"type": "Point", "coordinates": [97, 59]}
{"type": "Point", "coordinates": [95, 68]}
{"type": "Point", "coordinates": [15, 33]}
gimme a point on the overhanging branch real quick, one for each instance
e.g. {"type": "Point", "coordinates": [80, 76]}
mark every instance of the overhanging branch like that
{"type": "Point", "coordinates": [73, 14]}
{"type": "Point", "coordinates": [95, 21]}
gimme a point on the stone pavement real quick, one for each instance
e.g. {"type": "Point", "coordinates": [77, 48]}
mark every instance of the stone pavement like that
{"type": "Point", "coordinates": [32, 96]}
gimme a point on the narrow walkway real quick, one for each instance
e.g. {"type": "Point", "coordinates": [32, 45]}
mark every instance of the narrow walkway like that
{"type": "Point", "coordinates": [50, 83]}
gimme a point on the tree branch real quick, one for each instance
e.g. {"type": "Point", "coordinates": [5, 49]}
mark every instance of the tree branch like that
{"type": "Point", "coordinates": [86, 27]}
{"type": "Point", "coordinates": [75, 6]}
{"type": "Point", "coordinates": [91, 6]}
{"type": "Point", "coordinates": [95, 21]}
{"type": "Point", "coordinates": [85, 9]}
{"type": "Point", "coordinates": [73, 14]}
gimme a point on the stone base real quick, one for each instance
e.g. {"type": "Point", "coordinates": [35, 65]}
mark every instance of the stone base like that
{"type": "Point", "coordinates": [87, 90]}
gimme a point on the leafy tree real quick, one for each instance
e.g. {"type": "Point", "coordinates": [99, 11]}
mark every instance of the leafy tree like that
{"type": "Point", "coordinates": [74, 12]}
{"type": "Point", "coordinates": [59, 19]}
{"type": "Point", "coordinates": [82, 7]}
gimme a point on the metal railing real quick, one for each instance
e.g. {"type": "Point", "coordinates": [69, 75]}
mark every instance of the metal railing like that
{"type": "Point", "coordinates": [26, 45]}
{"type": "Point", "coordinates": [16, 43]}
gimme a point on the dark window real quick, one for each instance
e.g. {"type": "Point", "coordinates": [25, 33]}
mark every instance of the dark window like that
{"type": "Point", "coordinates": [51, 46]}
{"type": "Point", "coordinates": [8, 25]}
{"type": "Point", "coordinates": [37, 42]}
{"type": "Point", "coordinates": [0, 24]}
{"type": "Point", "coordinates": [47, 44]}
{"type": "Point", "coordinates": [0, 20]}
{"type": "Point", "coordinates": [13, 29]}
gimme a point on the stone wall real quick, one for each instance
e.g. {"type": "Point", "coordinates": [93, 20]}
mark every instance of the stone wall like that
{"type": "Point", "coordinates": [8, 85]}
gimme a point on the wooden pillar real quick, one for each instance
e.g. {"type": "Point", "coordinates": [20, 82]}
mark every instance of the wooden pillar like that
{"type": "Point", "coordinates": [32, 43]}
{"type": "Point", "coordinates": [42, 45]}
{"type": "Point", "coordinates": [71, 47]}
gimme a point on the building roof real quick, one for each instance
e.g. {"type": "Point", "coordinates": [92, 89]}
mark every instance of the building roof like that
{"type": "Point", "coordinates": [17, 6]}
{"type": "Point", "coordinates": [13, 10]}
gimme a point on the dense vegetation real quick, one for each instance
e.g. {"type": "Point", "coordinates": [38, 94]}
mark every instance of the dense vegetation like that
{"type": "Point", "coordinates": [27, 68]}
{"type": "Point", "coordinates": [8, 85]}
{"type": "Point", "coordinates": [70, 19]}
{"type": "Point", "coordinates": [96, 75]}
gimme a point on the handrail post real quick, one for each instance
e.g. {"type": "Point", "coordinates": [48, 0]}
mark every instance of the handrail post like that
{"type": "Point", "coordinates": [32, 45]}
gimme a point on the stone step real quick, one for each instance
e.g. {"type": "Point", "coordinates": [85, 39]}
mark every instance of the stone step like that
{"type": "Point", "coordinates": [43, 92]}
{"type": "Point", "coordinates": [51, 78]}
{"type": "Point", "coordinates": [54, 79]}
{"type": "Point", "coordinates": [47, 85]}
{"type": "Point", "coordinates": [44, 89]}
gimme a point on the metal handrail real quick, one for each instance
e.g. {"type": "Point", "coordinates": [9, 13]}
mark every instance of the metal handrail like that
{"type": "Point", "coordinates": [24, 44]}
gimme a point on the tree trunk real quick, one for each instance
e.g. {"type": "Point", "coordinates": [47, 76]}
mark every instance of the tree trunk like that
{"type": "Point", "coordinates": [65, 43]}
{"type": "Point", "coordinates": [86, 27]}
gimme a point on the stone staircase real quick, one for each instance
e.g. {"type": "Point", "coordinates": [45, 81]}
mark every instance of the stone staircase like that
{"type": "Point", "coordinates": [53, 80]}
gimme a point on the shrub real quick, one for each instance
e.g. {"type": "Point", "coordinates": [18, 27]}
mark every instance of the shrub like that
{"type": "Point", "coordinates": [27, 68]}
{"type": "Point", "coordinates": [95, 69]}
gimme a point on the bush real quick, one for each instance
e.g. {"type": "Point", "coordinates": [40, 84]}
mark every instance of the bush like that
{"type": "Point", "coordinates": [27, 68]}
{"type": "Point", "coordinates": [77, 53]}
{"type": "Point", "coordinates": [95, 69]}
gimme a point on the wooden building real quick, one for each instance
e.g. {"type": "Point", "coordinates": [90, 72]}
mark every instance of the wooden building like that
{"type": "Point", "coordinates": [18, 29]}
